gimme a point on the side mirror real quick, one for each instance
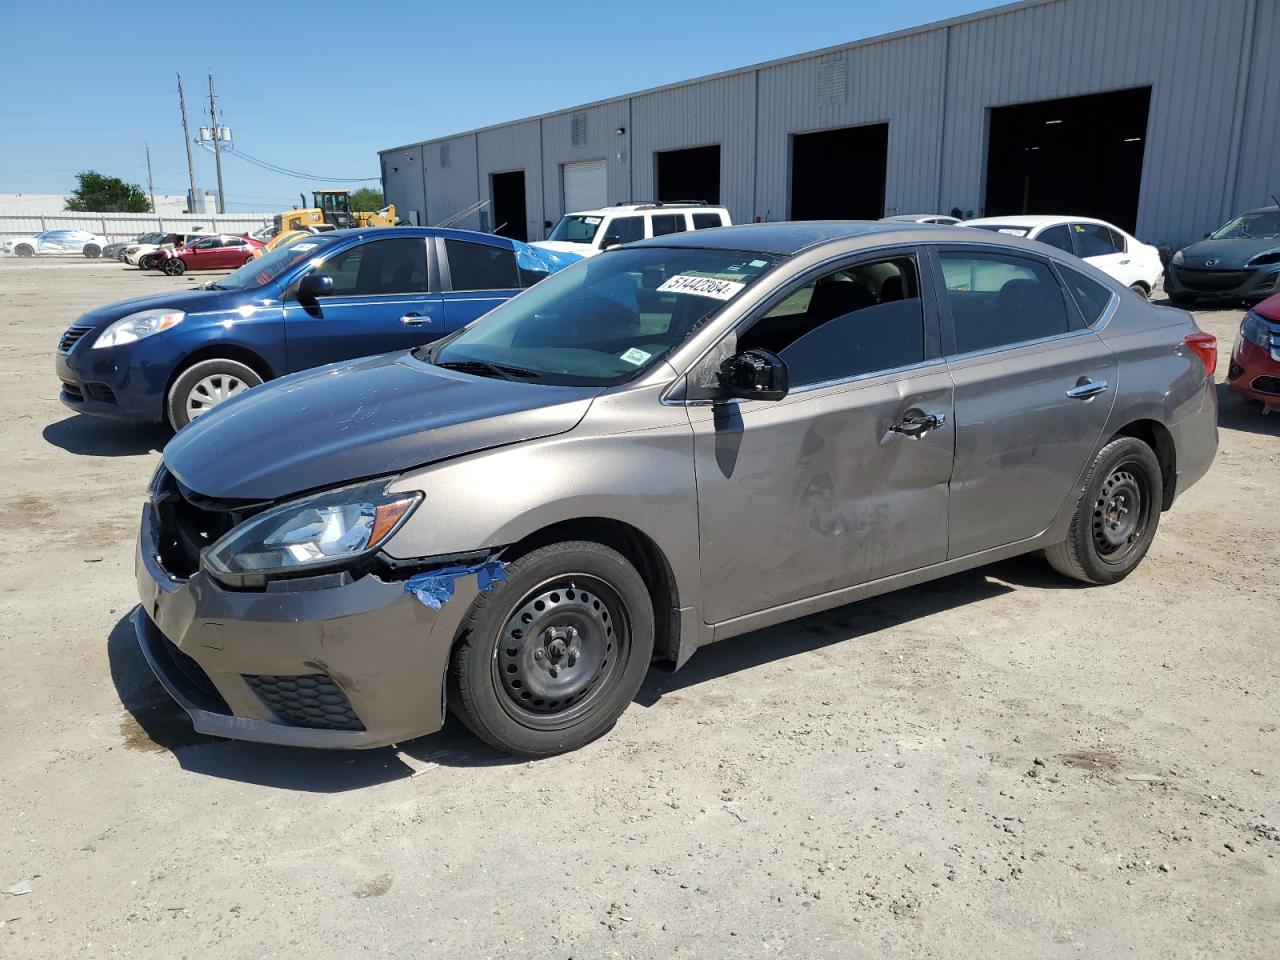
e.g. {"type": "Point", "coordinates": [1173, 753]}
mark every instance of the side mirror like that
{"type": "Point", "coordinates": [755, 375]}
{"type": "Point", "coordinates": [612, 240]}
{"type": "Point", "coordinates": [314, 285]}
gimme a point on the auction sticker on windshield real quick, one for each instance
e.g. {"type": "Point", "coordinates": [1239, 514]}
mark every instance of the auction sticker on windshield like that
{"type": "Point", "coordinates": [702, 286]}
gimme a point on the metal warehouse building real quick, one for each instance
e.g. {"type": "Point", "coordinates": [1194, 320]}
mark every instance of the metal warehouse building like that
{"type": "Point", "coordinates": [1159, 115]}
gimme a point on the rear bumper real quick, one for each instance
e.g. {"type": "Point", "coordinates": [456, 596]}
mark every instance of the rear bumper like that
{"type": "Point", "coordinates": [1246, 282]}
{"type": "Point", "coordinates": [355, 665]}
{"type": "Point", "coordinates": [1195, 440]}
{"type": "Point", "coordinates": [1254, 372]}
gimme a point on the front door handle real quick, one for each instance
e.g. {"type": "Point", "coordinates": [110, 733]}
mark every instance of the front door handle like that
{"type": "Point", "coordinates": [916, 423]}
{"type": "Point", "coordinates": [1086, 388]}
{"type": "Point", "coordinates": [414, 319]}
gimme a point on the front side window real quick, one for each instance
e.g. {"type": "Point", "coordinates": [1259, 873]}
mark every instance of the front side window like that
{"type": "Point", "coordinates": [207, 244]}
{"type": "Point", "coordinates": [377, 268]}
{"type": "Point", "coordinates": [1058, 236]}
{"type": "Point", "coordinates": [665, 223]}
{"type": "Point", "coordinates": [1093, 240]}
{"type": "Point", "coordinates": [605, 320]}
{"type": "Point", "coordinates": [478, 266]}
{"type": "Point", "coordinates": [858, 320]}
{"type": "Point", "coordinates": [627, 229]}
{"type": "Point", "coordinates": [576, 229]}
{"type": "Point", "coordinates": [998, 300]}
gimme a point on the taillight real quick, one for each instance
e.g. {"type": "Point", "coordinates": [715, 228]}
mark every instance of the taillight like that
{"type": "Point", "coordinates": [1204, 346]}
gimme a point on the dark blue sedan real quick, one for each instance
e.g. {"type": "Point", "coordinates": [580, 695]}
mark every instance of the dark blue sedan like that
{"type": "Point", "coordinates": [345, 294]}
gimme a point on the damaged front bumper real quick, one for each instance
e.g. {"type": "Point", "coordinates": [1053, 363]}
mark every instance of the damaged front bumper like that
{"type": "Point", "coordinates": [321, 662]}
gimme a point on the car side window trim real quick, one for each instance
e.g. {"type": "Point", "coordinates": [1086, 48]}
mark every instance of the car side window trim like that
{"type": "Point", "coordinates": [1075, 321]}
{"type": "Point", "coordinates": [929, 303]}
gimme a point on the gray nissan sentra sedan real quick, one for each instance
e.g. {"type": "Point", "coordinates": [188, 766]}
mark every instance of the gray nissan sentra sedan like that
{"type": "Point", "coordinates": [667, 445]}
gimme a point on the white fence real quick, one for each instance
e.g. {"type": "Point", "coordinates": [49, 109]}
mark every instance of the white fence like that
{"type": "Point", "coordinates": [121, 226]}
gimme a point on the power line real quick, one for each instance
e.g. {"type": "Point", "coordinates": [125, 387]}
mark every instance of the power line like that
{"type": "Point", "coordinates": [285, 171]}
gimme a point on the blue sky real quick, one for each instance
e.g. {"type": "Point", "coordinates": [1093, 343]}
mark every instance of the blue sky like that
{"type": "Point", "coordinates": [86, 85]}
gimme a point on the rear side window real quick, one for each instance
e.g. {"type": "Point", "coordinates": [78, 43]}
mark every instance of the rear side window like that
{"type": "Point", "coordinates": [665, 223]}
{"type": "Point", "coordinates": [862, 319]}
{"type": "Point", "coordinates": [998, 300]}
{"type": "Point", "coordinates": [1094, 240]}
{"type": "Point", "coordinates": [701, 221]}
{"type": "Point", "coordinates": [1059, 237]}
{"type": "Point", "coordinates": [478, 266]}
{"type": "Point", "coordinates": [1090, 296]}
{"type": "Point", "coordinates": [627, 229]}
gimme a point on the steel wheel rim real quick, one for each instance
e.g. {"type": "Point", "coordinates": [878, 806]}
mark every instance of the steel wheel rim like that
{"type": "Point", "coordinates": [562, 648]}
{"type": "Point", "coordinates": [1120, 513]}
{"type": "Point", "coordinates": [211, 391]}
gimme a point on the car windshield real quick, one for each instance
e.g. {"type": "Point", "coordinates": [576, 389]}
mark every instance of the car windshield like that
{"type": "Point", "coordinates": [605, 320]}
{"type": "Point", "coordinates": [265, 269]}
{"type": "Point", "coordinates": [148, 238]}
{"type": "Point", "coordinates": [1264, 225]}
{"type": "Point", "coordinates": [1009, 229]}
{"type": "Point", "coordinates": [576, 228]}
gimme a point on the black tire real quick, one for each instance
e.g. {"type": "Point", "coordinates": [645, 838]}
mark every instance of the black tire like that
{"type": "Point", "coordinates": [565, 681]}
{"type": "Point", "coordinates": [92, 251]}
{"type": "Point", "coordinates": [24, 250]}
{"type": "Point", "coordinates": [1141, 290]}
{"type": "Point", "coordinates": [185, 391]}
{"type": "Point", "coordinates": [173, 266]}
{"type": "Point", "coordinates": [1116, 516]}
{"type": "Point", "coordinates": [122, 257]}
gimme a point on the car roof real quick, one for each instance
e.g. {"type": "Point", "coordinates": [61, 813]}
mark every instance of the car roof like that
{"type": "Point", "coordinates": [914, 217]}
{"type": "Point", "coordinates": [656, 206]}
{"type": "Point", "coordinates": [1273, 208]}
{"type": "Point", "coordinates": [447, 233]}
{"type": "Point", "coordinates": [787, 238]}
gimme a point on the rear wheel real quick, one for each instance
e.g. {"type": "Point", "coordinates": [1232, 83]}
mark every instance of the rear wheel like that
{"type": "Point", "coordinates": [1141, 290]}
{"type": "Point", "coordinates": [24, 250]}
{"type": "Point", "coordinates": [204, 385]}
{"type": "Point", "coordinates": [92, 251]}
{"type": "Point", "coordinates": [1116, 517]}
{"type": "Point", "coordinates": [174, 266]}
{"type": "Point", "coordinates": [551, 658]}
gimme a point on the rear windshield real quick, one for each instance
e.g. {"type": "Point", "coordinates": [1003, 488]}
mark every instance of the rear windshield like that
{"type": "Point", "coordinates": [576, 228]}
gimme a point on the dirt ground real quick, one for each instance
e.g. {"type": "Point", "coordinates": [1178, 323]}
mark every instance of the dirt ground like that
{"type": "Point", "coordinates": [1000, 764]}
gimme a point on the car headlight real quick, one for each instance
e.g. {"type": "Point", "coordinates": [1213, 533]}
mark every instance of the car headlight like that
{"type": "Point", "coordinates": [1177, 258]}
{"type": "Point", "coordinates": [136, 326]}
{"type": "Point", "coordinates": [319, 532]}
{"type": "Point", "coordinates": [1256, 331]}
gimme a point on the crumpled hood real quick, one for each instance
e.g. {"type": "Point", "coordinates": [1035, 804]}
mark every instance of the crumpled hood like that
{"type": "Point", "coordinates": [1229, 253]}
{"type": "Point", "coordinates": [561, 247]}
{"type": "Point", "coordinates": [347, 421]}
{"type": "Point", "coordinates": [192, 301]}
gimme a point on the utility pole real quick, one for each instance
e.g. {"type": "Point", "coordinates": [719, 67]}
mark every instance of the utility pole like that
{"type": "Point", "coordinates": [217, 143]}
{"type": "Point", "coordinates": [151, 184]}
{"type": "Point", "coordinates": [186, 137]}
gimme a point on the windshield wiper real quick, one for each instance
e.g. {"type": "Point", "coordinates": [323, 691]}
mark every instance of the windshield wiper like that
{"type": "Point", "coordinates": [484, 368]}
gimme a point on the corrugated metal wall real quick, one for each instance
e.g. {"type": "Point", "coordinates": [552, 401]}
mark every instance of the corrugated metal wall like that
{"type": "Point", "coordinates": [1212, 147]}
{"type": "Point", "coordinates": [122, 226]}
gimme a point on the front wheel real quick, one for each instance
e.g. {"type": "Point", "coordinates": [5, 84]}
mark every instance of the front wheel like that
{"type": "Point", "coordinates": [24, 250]}
{"type": "Point", "coordinates": [92, 251]}
{"type": "Point", "coordinates": [1141, 290]}
{"type": "Point", "coordinates": [1116, 517]}
{"type": "Point", "coordinates": [550, 659]}
{"type": "Point", "coordinates": [204, 385]}
{"type": "Point", "coordinates": [174, 267]}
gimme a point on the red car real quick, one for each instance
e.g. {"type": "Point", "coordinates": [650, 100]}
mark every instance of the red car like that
{"type": "Point", "coordinates": [1255, 361]}
{"type": "Point", "coordinates": [223, 252]}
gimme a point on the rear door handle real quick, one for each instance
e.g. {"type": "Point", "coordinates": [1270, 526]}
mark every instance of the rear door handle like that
{"type": "Point", "coordinates": [414, 319]}
{"type": "Point", "coordinates": [1086, 388]}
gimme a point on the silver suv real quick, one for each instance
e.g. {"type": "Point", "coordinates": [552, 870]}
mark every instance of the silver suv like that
{"type": "Point", "coordinates": [667, 445]}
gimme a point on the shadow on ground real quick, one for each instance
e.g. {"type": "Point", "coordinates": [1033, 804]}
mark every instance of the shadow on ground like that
{"type": "Point", "coordinates": [1236, 412]}
{"type": "Point", "coordinates": [156, 723]}
{"type": "Point", "coordinates": [95, 437]}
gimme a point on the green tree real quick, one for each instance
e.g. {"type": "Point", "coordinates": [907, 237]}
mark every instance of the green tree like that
{"type": "Point", "coordinates": [366, 198]}
{"type": "Point", "coordinates": [98, 193]}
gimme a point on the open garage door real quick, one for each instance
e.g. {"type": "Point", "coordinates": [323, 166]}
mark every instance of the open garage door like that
{"type": "Point", "coordinates": [692, 174]}
{"type": "Point", "coordinates": [510, 218]}
{"type": "Point", "coordinates": [586, 185]}
{"type": "Point", "coordinates": [839, 174]}
{"type": "Point", "coordinates": [1078, 155]}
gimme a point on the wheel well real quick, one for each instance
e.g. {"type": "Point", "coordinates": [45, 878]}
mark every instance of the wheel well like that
{"type": "Point", "coordinates": [1156, 436]}
{"type": "Point", "coordinates": [222, 351]}
{"type": "Point", "coordinates": [640, 550]}
{"type": "Point", "coordinates": [1145, 286]}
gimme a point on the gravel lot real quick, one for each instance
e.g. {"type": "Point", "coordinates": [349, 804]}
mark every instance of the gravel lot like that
{"type": "Point", "coordinates": [1000, 764]}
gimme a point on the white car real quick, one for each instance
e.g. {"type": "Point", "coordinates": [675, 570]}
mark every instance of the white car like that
{"type": "Point", "coordinates": [144, 255]}
{"type": "Point", "coordinates": [587, 232]}
{"type": "Point", "coordinates": [1135, 264]}
{"type": "Point", "coordinates": [57, 241]}
{"type": "Point", "coordinates": [939, 218]}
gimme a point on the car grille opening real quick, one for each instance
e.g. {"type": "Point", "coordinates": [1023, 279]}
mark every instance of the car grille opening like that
{"type": "Point", "coordinates": [187, 523]}
{"type": "Point", "coordinates": [199, 688]}
{"type": "Point", "coordinates": [72, 392]}
{"type": "Point", "coordinates": [100, 392]}
{"type": "Point", "coordinates": [72, 336]}
{"type": "Point", "coordinates": [1269, 385]}
{"type": "Point", "coordinates": [1211, 281]}
{"type": "Point", "coordinates": [312, 700]}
